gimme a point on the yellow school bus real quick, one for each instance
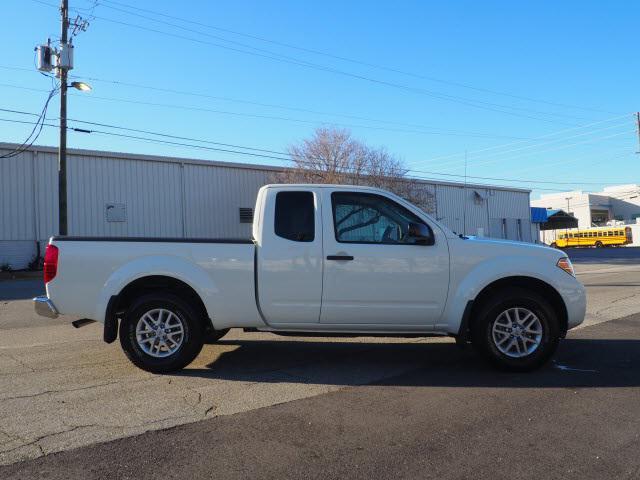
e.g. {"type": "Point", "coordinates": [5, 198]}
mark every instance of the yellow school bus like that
{"type": "Point", "coordinates": [594, 237]}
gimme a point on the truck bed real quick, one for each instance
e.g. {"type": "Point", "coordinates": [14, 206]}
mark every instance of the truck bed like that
{"type": "Point", "coordinates": [92, 269]}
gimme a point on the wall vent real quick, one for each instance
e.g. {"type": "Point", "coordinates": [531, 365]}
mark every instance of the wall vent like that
{"type": "Point", "coordinates": [246, 215]}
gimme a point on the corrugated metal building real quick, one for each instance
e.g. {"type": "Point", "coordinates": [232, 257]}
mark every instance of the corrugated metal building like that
{"type": "Point", "coordinates": [122, 194]}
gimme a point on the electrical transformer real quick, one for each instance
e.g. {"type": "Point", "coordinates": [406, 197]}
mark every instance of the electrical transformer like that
{"type": "Point", "coordinates": [44, 58]}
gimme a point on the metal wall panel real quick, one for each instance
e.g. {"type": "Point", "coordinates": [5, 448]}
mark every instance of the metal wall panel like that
{"type": "Point", "coordinates": [16, 197]}
{"type": "Point", "coordinates": [213, 197]}
{"type": "Point", "coordinates": [509, 204]}
{"type": "Point", "coordinates": [46, 195]}
{"type": "Point", "coordinates": [150, 191]}
{"type": "Point", "coordinates": [512, 206]}
{"type": "Point", "coordinates": [462, 209]}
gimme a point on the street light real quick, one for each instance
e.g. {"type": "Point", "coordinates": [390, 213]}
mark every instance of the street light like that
{"type": "Point", "coordinates": [82, 86]}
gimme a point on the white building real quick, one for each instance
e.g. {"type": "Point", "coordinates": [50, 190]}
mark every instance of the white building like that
{"type": "Point", "coordinates": [119, 194]}
{"type": "Point", "coordinates": [614, 205]}
{"type": "Point", "coordinates": [620, 202]}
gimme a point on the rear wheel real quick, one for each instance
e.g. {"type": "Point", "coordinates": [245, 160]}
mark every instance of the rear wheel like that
{"type": "Point", "coordinates": [554, 245]}
{"type": "Point", "coordinates": [516, 330]}
{"type": "Point", "coordinates": [599, 244]}
{"type": "Point", "coordinates": [161, 333]}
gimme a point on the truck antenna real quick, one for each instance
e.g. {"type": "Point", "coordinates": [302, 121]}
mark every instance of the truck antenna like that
{"type": "Point", "coordinates": [464, 211]}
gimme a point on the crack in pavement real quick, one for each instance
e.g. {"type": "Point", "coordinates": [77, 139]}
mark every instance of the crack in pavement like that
{"type": "Point", "coordinates": [19, 362]}
{"type": "Point", "coordinates": [39, 439]}
{"type": "Point", "coordinates": [115, 382]}
{"type": "Point", "coordinates": [208, 410]}
{"type": "Point", "coordinates": [48, 392]}
{"type": "Point", "coordinates": [617, 300]}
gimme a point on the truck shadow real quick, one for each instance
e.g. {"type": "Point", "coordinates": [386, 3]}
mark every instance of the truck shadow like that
{"type": "Point", "coordinates": [579, 363]}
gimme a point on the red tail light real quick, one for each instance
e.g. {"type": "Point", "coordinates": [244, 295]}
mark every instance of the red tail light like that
{"type": "Point", "coordinates": [50, 263]}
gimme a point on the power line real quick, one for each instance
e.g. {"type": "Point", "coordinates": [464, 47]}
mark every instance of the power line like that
{"type": "Point", "coordinates": [261, 116]}
{"type": "Point", "coordinates": [167, 142]}
{"type": "Point", "coordinates": [538, 145]}
{"type": "Point", "coordinates": [340, 57]}
{"type": "Point", "coordinates": [269, 105]}
{"type": "Point", "coordinates": [561, 147]}
{"type": "Point", "coordinates": [276, 155]}
{"type": "Point", "coordinates": [290, 60]}
{"type": "Point", "coordinates": [37, 129]}
{"type": "Point", "coordinates": [535, 146]}
{"type": "Point", "coordinates": [285, 153]}
{"type": "Point", "coordinates": [331, 123]}
{"type": "Point", "coordinates": [296, 109]}
{"type": "Point", "coordinates": [563, 163]}
{"type": "Point", "coordinates": [497, 147]}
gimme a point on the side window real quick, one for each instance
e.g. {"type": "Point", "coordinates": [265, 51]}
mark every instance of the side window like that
{"type": "Point", "coordinates": [371, 218]}
{"type": "Point", "coordinates": [295, 216]}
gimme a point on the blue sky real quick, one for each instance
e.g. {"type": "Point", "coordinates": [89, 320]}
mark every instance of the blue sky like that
{"type": "Point", "coordinates": [535, 91]}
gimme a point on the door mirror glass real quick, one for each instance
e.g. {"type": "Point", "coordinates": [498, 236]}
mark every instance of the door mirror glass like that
{"type": "Point", "coordinates": [420, 233]}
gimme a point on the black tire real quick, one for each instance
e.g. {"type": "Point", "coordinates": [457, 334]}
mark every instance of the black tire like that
{"type": "Point", "coordinates": [599, 244]}
{"type": "Point", "coordinates": [554, 245]}
{"type": "Point", "coordinates": [214, 335]}
{"type": "Point", "coordinates": [492, 308]}
{"type": "Point", "coordinates": [192, 341]}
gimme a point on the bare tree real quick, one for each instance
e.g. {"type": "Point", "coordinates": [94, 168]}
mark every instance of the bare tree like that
{"type": "Point", "coordinates": [334, 156]}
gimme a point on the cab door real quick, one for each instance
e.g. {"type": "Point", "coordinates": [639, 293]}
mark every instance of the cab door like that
{"type": "Point", "coordinates": [375, 273]}
{"type": "Point", "coordinates": [289, 257]}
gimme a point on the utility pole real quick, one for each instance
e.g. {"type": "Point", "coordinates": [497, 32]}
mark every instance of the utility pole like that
{"type": "Point", "coordinates": [63, 71]}
{"type": "Point", "coordinates": [61, 60]}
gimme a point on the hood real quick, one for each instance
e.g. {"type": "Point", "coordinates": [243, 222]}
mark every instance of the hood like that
{"type": "Point", "coordinates": [513, 246]}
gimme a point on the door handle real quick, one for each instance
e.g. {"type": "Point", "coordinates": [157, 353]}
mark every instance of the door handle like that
{"type": "Point", "coordinates": [339, 257]}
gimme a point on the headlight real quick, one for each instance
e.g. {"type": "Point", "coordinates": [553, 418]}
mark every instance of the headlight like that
{"type": "Point", "coordinates": [565, 264]}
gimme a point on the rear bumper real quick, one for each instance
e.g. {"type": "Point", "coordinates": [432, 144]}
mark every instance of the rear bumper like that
{"type": "Point", "coordinates": [45, 307]}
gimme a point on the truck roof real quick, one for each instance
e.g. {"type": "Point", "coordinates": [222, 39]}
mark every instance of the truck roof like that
{"type": "Point", "coordinates": [325, 185]}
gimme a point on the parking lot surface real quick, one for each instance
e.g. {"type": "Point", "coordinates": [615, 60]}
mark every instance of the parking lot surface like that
{"type": "Point", "coordinates": [62, 388]}
{"type": "Point", "coordinates": [447, 417]}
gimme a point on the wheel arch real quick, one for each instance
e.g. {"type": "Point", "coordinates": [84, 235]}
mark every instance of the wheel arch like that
{"type": "Point", "coordinates": [529, 283]}
{"type": "Point", "coordinates": [118, 304]}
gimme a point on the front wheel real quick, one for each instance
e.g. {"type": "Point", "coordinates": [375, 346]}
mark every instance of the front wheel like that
{"type": "Point", "coordinates": [516, 330]}
{"type": "Point", "coordinates": [161, 333]}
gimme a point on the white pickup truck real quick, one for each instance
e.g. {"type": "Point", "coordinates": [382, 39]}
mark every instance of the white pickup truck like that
{"type": "Point", "coordinates": [324, 259]}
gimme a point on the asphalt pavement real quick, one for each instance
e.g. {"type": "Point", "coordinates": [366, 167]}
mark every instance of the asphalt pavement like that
{"type": "Point", "coordinates": [449, 417]}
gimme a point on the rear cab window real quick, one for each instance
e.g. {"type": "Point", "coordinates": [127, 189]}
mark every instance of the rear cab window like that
{"type": "Point", "coordinates": [295, 216]}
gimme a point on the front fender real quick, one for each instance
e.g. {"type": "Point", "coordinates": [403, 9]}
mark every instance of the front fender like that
{"type": "Point", "coordinates": [470, 282]}
{"type": "Point", "coordinates": [163, 265]}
